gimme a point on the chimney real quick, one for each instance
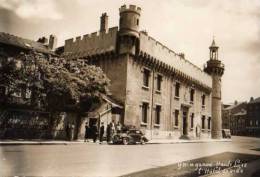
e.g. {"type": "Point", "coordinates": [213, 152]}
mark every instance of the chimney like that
{"type": "Point", "coordinates": [182, 55]}
{"type": "Point", "coordinates": [52, 42]}
{"type": "Point", "coordinates": [43, 40]}
{"type": "Point", "coordinates": [104, 22]}
{"type": "Point", "coordinates": [235, 102]}
{"type": "Point", "coordinates": [251, 99]}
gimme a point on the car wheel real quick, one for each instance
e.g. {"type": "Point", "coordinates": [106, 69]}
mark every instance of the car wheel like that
{"type": "Point", "coordinates": [125, 141]}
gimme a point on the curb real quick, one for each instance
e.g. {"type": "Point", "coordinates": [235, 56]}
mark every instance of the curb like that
{"type": "Point", "coordinates": [80, 143]}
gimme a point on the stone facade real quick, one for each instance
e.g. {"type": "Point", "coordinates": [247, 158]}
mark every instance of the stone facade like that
{"type": "Point", "coordinates": [162, 93]}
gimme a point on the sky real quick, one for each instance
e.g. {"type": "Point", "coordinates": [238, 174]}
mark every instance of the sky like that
{"type": "Point", "coordinates": [186, 26]}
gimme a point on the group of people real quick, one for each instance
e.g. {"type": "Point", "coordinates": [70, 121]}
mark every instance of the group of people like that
{"type": "Point", "coordinates": [92, 132]}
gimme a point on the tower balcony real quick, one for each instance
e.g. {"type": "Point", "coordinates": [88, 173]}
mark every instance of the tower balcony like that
{"type": "Point", "coordinates": [214, 66]}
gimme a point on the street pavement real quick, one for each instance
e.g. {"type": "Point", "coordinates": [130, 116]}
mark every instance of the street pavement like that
{"type": "Point", "coordinates": [93, 159]}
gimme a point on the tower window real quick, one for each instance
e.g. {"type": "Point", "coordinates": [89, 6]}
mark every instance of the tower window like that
{"type": "Point", "coordinates": [159, 82]}
{"type": "Point", "coordinates": [203, 122]}
{"type": "Point", "coordinates": [145, 112]}
{"type": "Point", "coordinates": [157, 114]}
{"type": "Point", "coordinates": [137, 22]}
{"type": "Point", "coordinates": [203, 100]}
{"type": "Point", "coordinates": [146, 75]}
{"type": "Point", "coordinates": [192, 91]}
{"type": "Point", "coordinates": [176, 117]}
{"type": "Point", "coordinates": [177, 89]}
{"type": "Point", "coordinates": [121, 21]}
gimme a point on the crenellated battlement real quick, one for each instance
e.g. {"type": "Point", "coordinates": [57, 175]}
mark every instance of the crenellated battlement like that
{"type": "Point", "coordinates": [161, 52]}
{"type": "Point", "coordinates": [134, 8]}
{"type": "Point", "coordinates": [93, 35]}
{"type": "Point", "coordinates": [92, 42]}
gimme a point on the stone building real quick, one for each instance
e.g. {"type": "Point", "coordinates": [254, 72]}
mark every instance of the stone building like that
{"type": "Point", "coordinates": [161, 92]}
{"type": "Point", "coordinates": [253, 117]}
{"type": "Point", "coordinates": [228, 113]}
{"type": "Point", "coordinates": [238, 123]}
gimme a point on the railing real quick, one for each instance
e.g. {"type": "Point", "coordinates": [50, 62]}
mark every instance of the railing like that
{"type": "Point", "coordinates": [24, 124]}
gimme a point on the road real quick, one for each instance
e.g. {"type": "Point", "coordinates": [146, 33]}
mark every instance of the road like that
{"type": "Point", "coordinates": [109, 160]}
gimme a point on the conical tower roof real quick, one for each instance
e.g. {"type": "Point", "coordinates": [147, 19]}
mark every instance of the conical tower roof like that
{"type": "Point", "coordinates": [213, 44]}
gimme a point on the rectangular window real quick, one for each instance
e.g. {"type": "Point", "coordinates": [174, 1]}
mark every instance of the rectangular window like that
{"type": "Point", "coordinates": [192, 120]}
{"type": "Point", "coordinates": [176, 117]}
{"type": "Point", "coordinates": [159, 82]}
{"type": "Point", "coordinates": [209, 122]}
{"type": "Point", "coordinates": [203, 100]}
{"type": "Point", "coordinates": [146, 75]}
{"type": "Point", "coordinates": [177, 89]}
{"type": "Point", "coordinates": [157, 114]}
{"type": "Point", "coordinates": [145, 112]}
{"type": "Point", "coordinates": [192, 91]}
{"type": "Point", "coordinates": [203, 122]}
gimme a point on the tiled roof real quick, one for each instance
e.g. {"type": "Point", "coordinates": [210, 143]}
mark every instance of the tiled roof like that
{"type": "Point", "coordinates": [9, 39]}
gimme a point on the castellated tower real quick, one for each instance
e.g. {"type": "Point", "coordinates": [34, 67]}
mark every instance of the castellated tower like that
{"type": "Point", "coordinates": [129, 29]}
{"type": "Point", "coordinates": [215, 68]}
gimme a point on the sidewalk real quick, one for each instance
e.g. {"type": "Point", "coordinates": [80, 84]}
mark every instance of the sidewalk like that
{"type": "Point", "coordinates": [78, 142]}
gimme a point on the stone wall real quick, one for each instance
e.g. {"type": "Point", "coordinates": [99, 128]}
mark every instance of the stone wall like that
{"type": "Point", "coordinates": [94, 43]}
{"type": "Point", "coordinates": [136, 94]}
{"type": "Point", "coordinates": [115, 69]}
{"type": "Point", "coordinates": [164, 54]}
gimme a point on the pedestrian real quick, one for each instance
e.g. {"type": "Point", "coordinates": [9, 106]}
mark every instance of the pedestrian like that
{"type": "Point", "coordinates": [118, 127]}
{"type": "Point", "coordinates": [108, 130]}
{"type": "Point", "coordinates": [113, 128]}
{"type": "Point", "coordinates": [101, 132]}
{"type": "Point", "coordinates": [86, 132]}
{"type": "Point", "coordinates": [95, 132]}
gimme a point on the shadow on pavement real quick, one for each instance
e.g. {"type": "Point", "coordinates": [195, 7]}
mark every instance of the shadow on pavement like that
{"type": "Point", "coordinates": [203, 166]}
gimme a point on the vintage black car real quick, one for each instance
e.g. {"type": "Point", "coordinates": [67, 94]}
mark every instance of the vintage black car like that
{"type": "Point", "coordinates": [129, 136]}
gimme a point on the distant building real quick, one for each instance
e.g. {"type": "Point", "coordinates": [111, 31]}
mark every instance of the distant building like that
{"type": "Point", "coordinates": [12, 45]}
{"type": "Point", "coordinates": [225, 116]}
{"type": "Point", "coordinates": [253, 117]}
{"type": "Point", "coordinates": [243, 119]}
{"type": "Point", "coordinates": [229, 115]}
{"type": "Point", "coordinates": [238, 123]}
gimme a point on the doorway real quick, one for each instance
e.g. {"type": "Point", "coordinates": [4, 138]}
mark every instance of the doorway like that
{"type": "Point", "coordinates": [185, 122]}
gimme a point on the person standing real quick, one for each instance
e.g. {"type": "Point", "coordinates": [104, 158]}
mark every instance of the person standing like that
{"type": "Point", "coordinates": [108, 133]}
{"type": "Point", "coordinates": [118, 127]}
{"type": "Point", "coordinates": [95, 132]}
{"type": "Point", "coordinates": [86, 132]}
{"type": "Point", "coordinates": [101, 132]}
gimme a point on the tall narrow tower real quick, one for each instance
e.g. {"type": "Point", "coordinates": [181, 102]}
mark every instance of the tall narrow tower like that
{"type": "Point", "coordinates": [215, 68]}
{"type": "Point", "coordinates": [129, 29]}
